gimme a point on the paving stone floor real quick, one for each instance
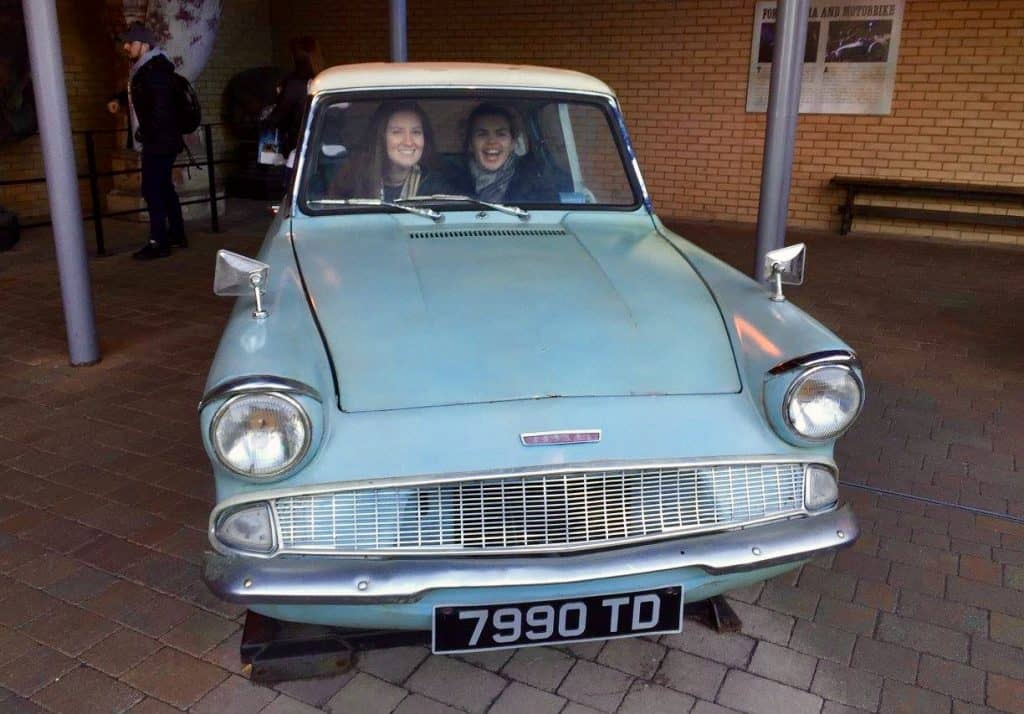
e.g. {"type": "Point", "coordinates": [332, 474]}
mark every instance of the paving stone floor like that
{"type": "Point", "coordinates": [104, 496]}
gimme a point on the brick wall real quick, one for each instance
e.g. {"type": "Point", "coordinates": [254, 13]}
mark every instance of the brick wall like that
{"type": "Point", "coordinates": [88, 54]}
{"type": "Point", "coordinates": [95, 69]}
{"type": "Point", "coordinates": [680, 70]}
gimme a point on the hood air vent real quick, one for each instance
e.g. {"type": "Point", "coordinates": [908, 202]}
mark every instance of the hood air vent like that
{"type": "Point", "coordinates": [491, 233]}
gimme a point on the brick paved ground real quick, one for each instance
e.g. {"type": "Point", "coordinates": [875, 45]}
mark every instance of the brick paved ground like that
{"type": "Point", "coordinates": [105, 496]}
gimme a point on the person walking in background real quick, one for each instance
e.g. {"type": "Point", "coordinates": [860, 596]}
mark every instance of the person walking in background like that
{"type": "Point", "coordinates": [291, 99]}
{"type": "Point", "coordinates": [154, 132]}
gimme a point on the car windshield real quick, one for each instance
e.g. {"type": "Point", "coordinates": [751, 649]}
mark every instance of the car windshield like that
{"type": "Point", "coordinates": [499, 151]}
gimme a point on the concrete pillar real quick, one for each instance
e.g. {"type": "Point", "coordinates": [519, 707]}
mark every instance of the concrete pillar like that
{"type": "Point", "coordinates": [61, 181]}
{"type": "Point", "coordinates": [780, 131]}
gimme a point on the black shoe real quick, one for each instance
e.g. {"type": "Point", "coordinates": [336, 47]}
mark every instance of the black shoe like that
{"type": "Point", "coordinates": [178, 241]}
{"type": "Point", "coordinates": [151, 251]}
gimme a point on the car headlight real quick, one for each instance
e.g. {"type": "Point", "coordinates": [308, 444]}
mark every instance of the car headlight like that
{"type": "Point", "coordinates": [820, 488]}
{"type": "Point", "coordinates": [261, 435]}
{"type": "Point", "coordinates": [823, 402]}
{"type": "Point", "coordinates": [247, 528]}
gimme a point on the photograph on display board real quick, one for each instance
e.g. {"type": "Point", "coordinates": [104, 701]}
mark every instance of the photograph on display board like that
{"type": "Point", "coordinates": [859, 41]}
{"type": "Point", "coordinates": [766, 46]}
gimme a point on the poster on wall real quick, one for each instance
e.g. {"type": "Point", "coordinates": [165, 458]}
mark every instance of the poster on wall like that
{"type": "Point", "coordinates": [849, 61]}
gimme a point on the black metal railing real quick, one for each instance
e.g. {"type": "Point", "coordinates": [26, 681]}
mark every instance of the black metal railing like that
{"type": "Point", "coordinates": [93, 175]}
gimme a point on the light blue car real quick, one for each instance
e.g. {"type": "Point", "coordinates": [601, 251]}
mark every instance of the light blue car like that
{"type": "Point", "coordinates": [473, 386]}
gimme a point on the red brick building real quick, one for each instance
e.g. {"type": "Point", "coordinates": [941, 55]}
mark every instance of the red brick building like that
{"type": "Point", "coordinates": [680, 69]}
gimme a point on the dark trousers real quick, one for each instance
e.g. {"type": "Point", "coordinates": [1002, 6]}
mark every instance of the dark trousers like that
{"type": "Point", "coordinates": [161, 198]}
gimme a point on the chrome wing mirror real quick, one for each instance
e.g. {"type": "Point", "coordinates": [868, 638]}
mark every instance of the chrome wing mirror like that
{"type": "Point", "coordinates": [237, 275]}
{"type": "Point", "coordinates": [785, 265]}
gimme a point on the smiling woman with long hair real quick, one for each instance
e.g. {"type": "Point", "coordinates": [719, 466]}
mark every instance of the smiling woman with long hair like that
{"type": "Point", "coordinates": [396, 158]}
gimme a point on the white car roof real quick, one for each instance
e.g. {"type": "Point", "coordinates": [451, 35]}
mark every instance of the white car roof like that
{"type": "Point", "coordinates": [383, 75]}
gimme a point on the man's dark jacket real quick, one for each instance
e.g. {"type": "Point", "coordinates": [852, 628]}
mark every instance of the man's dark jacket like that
{"type": "Point", "coordinates": [152, 96]}
{"type": "Point", "coordinates": [529, 184]}
{"type": "Point", "coordinates": [287, 114]}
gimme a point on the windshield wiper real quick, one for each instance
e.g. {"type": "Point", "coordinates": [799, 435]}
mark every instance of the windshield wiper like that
{"type": "Point", "coordinates": [425, 212]}
{"type": "Point", "coordinates": [511, 210]}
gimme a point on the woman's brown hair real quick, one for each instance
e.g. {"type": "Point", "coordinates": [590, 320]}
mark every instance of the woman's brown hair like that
{"type": "Point", "coordinates": [363, 174]}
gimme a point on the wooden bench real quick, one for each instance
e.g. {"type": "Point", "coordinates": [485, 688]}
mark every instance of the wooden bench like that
{"type": "Point", "coordinates": [930, 189]}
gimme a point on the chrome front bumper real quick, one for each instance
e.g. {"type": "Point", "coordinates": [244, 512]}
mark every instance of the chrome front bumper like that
{"type": "Point", "coordinates": [309, 580]}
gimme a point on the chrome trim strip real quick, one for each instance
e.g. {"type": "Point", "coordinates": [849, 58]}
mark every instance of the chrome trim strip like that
{"type": "Point", "coordinates": [307, 580]}
{"type": "Point", "coordinates": [462, 87]}
{"type": "Point", "coordinates": [300, 166]}
{"type": "Point", "coordinates": [560, 432]}
{"type": "Point", "coordinates": [843, 357]}
{"type": "Point", "coordinates": [258, 383]}
{"type": "Point", "coordinates": [631, 154]}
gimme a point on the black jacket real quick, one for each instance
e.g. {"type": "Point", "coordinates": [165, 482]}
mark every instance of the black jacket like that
{"type": "Point", "coordinates": [529, 184]}
{"type": "Point", "coordinates": [287, 114]}
{"type": "Point", "coordinates": [431, 182]}
{"type": "Point", "coordinates": [152, 96]}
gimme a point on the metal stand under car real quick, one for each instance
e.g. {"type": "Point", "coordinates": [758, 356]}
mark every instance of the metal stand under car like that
{"type": "Point", "coordinates": [276, 650]}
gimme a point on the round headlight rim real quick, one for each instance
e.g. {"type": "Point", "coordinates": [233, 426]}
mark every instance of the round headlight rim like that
{"type": "Point", "coordinates": [798, 380]}
{"type": "Point", "coordinates": [307, 424]}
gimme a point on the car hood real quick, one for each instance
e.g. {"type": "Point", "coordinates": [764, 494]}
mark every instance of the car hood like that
{"type": "Point", "coordinates": [419, 316]}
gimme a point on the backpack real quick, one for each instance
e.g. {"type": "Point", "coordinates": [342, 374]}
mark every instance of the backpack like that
{"type": "Point", "coordinates": [187, 113]}
{"type": "Point", "coordinates": [9, 230]}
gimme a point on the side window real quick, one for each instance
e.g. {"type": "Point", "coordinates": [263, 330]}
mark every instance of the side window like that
{"type": "Point", "coordinates": [338, 132]}
{"type": "Point", "coordinates": [600, 165]}
{"type": "Point", "coordinates": [581, 145]}
{"type": "Point", "coordinates": [554, 148]}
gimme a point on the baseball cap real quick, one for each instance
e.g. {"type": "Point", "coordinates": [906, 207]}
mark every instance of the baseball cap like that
{"type": "Point", "coordinates": [138, 31]}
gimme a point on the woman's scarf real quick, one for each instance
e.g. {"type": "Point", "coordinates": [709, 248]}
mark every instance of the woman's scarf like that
{"type": "Point", "coordinates": [492, 185]}
{"type": "Point", "coordinates": [410, 186]}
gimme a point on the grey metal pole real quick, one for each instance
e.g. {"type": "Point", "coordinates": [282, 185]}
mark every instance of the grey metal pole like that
{"type": "Point", "coordinates": [399, 47]}
{"type": "Point", "coordinates": [61, 180]}
{"type": "Point", "coordinates": [780, 130]}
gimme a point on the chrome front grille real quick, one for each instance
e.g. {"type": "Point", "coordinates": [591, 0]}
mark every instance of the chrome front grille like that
{"type": "Point", "coordinates": [566, 510]}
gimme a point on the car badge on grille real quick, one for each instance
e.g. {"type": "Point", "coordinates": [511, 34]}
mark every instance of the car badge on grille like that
{"type": "Point", "coordinates": [570, 436]}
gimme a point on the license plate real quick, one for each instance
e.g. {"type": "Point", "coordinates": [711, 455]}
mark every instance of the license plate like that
{"type": "Point", "coordinates": [471, 628]}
